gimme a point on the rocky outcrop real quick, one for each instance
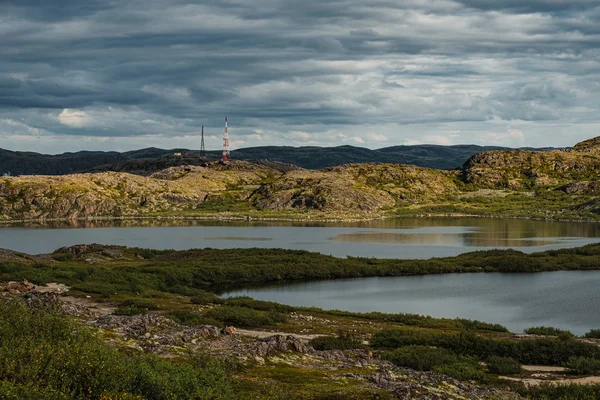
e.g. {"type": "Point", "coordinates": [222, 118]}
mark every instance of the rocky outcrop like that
{"type": "Point", "coordinates": [155, 333]}
{"type": "Point", "coordinates": [405, 383]}
{"type": "Point", "coordinates": [361, 187]}
{"type": "Point", "coordinates": [279, 343]}
{"type": "Point", "coordinates": [584, 187]}
{"type": "Point", "coordinates": [520, 169]}
{"type": "Point", "coordinates": [113, 194]}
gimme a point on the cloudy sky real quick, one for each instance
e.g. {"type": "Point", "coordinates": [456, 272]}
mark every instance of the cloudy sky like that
{"type": "Point", "coordinates": [126, 74]}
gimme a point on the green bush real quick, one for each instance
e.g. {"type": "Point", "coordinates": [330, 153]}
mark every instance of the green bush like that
{"type": "Point", "coordinates": [135, 306]}
{"type": "Point", "coordinates": [547, 331]}
{"type": "Point", "coordinates": [560, 392]}
{"type": "Point", "coordinates": [205, 298]}
{"type": "Point", "coordinates": [244, 317]}
{"type": "Point", "coordinates": [443, 361]}
{"type": "Point", "coordinates": [464, 371]}
{"type": "Point", "coordinates": [189, 318]}
{"type": "Point", "coordinates": [341, 342]}
{"type": "Point", "coordinates": [45, 355]}
{"type": "Point", "coordinates": [62, 256]}
{"type": "Point", "coordinates": [504, 365]}
{"type": "Point", "coordinates": [544, 351]}
{"type": "Point", "coordinates": [188, 272]}
{"type": "Point", "coordinates": [421, 358]}
{"type": "Point", "coordinates": [583, 365]}
{"type": "Point", "coordinates": [593, 334]}
{"type": "Point", "coordinates": [262, 305]}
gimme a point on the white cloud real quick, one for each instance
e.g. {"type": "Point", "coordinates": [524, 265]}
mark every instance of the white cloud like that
{"type": "Point", "coordinates": [438, 139]}
{"type": "Point", "coordinates": [74, 118]}
{"type": "Point", "coordinates": [377, 137]}
{"type": "Point", "coordinates": [299, 136]}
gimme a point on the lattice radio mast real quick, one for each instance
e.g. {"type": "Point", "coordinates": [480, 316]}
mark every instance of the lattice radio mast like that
{"type": "Point", "coordinates": [226, 156]}
{"type": "Point", "coordinates": [202, 149]}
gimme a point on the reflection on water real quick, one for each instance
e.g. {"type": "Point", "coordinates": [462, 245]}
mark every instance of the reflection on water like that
{"type": "Point", "coordinates": [443, 239]}
{"type": "Point", "coordinates": [236, 238]}
{"type": "Point", "coordinates": [392, 238]}
{"type": "Point", "coordinates": [565, 299]}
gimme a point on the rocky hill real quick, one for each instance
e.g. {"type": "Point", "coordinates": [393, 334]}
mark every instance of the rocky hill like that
{"type": "Point", "coordinates": [519, 183]}
{"type": "Point", "coordinates": [176, 189]}
{"type": "Point", "coordinates": [519, 169]}
{"type": "Point", "coordinates": [364, 187]}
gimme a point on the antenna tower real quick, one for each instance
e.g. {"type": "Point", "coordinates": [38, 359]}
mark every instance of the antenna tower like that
{"type": "Point", "coordinates": [226, 156]}
{"type": "Point", "coordinates": [202, 149]}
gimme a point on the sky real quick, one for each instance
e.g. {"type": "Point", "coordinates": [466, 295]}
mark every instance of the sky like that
{"type": "Point", "coordinates": [128, 74]}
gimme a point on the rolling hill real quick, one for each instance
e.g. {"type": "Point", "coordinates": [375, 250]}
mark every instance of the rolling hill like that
{"type": "Point", "coordinates": [150, 160]}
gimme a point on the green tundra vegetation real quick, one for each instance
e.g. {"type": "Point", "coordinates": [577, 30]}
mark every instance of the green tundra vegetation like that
{"type": "Point", "coordinates": [194, 272]}
{"type": "Point", "coordinates": [547, 331]}
{"type": "Point", "coordinates": [44, 353]}
{"type": "Point", "coordinates": [47, 356]}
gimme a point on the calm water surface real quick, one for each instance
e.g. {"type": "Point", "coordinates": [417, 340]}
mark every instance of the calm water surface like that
{"type": "Point", "coordinates": [566, 299]}
{"type": "Point", "coordinates": [563, 299]}
{"type": "Point", "coordinates": [398, 238]}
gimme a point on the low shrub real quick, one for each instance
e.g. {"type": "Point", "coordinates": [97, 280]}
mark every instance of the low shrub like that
{"type": "Point", "coordinates": [463, 371]}
{"type": "Point", "coordinates": [205, 298]}
{"type": "Point", "coordinates": [547, 331]}
{"type": "Point", "coordinates": [443, 361]}
{"type": "Point", "coordinates": [45, 355]}
{"type": "Point", "coordinates": [583, 365]}
{"type": "Point", "coordinates": [341, 342]}
{"type": "Point", "coordinates": [543, 350]}
{"type": "Point", "coordinates": [504, 365]}
{"type": "Point", "coordinates": [262, 305]}
{"type": "Point", "coordinates": [135, 306]}
{"type": "Point", "coordinates": [593, 334]}
{"type": "Point", "coordinates": [560, 392]}
{"type": "Point", "coordinates": [189, 318]}
{"type": "Point", "coordinates": [244, 317]}
{"type": "Point", "coordinates": [421, 358]}
{"type": "Point", "coordinates": [61, 257]}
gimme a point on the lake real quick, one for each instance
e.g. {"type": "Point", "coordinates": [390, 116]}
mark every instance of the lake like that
{"type": "Point", "coordinates": [565, 299]}
{"type": "Point", "coordinates": [562, 299]}
{"type": "Point", "coordinates": [393, 238]}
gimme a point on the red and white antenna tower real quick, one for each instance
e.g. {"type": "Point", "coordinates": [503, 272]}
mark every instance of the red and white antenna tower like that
{"type": "Point", "coordinates": [226, 156]}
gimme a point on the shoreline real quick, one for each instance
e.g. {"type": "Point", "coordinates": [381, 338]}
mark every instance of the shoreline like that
{"type": "Point", "coordinates": [316, 219]}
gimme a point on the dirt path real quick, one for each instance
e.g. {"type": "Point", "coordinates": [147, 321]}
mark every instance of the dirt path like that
{"type": "Point", "coordinates": [543, 368]}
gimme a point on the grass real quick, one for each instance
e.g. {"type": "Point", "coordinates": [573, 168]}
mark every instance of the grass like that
{"type": "Point", "coordinates": [45, 355]}
{"type": "Point", "coordinates": [182, 284]}
{"type": "Point", "coordinates": [543, 203]}
{"type": "Point", "coordinates": [195, 272]}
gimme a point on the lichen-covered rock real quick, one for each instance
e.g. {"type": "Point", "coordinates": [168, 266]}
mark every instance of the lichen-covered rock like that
{"type": "Point", "coordinates": [518, 169]}
{"type": "Point", "coordinates": [279, 343]}
{"type": "Point", "coordinates": [361, 187]}
{"type": "Point", "coordinates": [584, 187]}
{"type": "Point", "coordinates": [115, 194]}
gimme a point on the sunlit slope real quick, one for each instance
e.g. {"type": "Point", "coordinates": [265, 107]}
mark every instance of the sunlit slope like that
{"type": "Point", "coordinates": [516, 183]}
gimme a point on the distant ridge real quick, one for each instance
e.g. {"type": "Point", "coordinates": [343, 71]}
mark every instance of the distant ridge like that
{"type": "Point", "coordinates": [149, 160]}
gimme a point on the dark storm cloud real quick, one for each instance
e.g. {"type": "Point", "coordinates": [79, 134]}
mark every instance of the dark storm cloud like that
{"type": "Point", "coordinates": [531, 5]}
{"type": "Point", "coordinates": [110, 68]}
{"type": "Point", "coordinates": [54, 10]}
